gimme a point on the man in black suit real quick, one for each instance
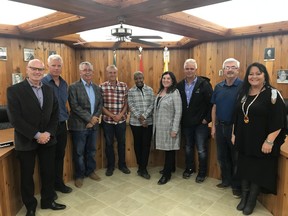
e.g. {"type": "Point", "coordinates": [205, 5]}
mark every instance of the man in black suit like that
{"type": "Point", "coordinates": [33, 112]}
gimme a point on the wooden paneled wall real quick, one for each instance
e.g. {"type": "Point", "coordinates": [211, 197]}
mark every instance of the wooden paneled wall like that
{"type": "Point", "coordinates": [209, 56]}
{"type": "Point", "coordinates": [127, 62]}
{"type": "Point", "coordinates": [15, 60]}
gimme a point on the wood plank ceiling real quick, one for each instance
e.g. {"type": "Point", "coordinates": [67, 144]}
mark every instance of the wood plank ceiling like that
{"type": "Point", "coordinates": [161, 15]}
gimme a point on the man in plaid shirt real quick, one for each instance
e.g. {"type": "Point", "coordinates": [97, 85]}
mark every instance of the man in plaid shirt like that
{"type": "Point", "coordinates": [114, 119]}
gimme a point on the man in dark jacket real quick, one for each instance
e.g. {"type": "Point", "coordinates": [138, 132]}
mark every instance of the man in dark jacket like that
{"type": "Point", "coordinates": [33, 112]}
{"type": "Point", "coordinates": [196, 94]}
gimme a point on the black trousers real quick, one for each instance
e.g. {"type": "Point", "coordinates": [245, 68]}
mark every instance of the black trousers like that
{"type": "Point", "coordinates": [61, 137]}
{"type": "Point", "coordinates": [169, 162]}
{"type": "Point", "coordinates": [46, 156]}
{"type": "Point", "coordinates": [142, 142]}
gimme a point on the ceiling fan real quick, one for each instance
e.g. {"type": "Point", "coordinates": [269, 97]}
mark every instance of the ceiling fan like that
{"type": "Point", "coordinates": [125, 34]}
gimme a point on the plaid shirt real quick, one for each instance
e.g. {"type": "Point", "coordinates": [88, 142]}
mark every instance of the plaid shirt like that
{"type": "Point", "coordinates": [114, 100]}
{"type": "Point", "coordinates": [141, 104]}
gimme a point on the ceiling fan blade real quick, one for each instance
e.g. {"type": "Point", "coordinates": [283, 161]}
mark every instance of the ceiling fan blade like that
{"type": "Point", "coordinates": [145, 42]}
{"type": "Point", "coordinates": [116, 45]}
{"type": "Point", "coordinates": [146, 37]}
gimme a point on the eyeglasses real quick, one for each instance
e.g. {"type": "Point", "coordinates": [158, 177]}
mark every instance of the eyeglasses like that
{"type": "Point", "coordinates": [230, 68]}
{"type": "Point", "coordinates": [87, 70]}
{"type": "Point", "coordinates": [35, 69]}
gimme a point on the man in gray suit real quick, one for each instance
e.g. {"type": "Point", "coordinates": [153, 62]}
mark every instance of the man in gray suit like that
{"type": "Point", "coordinates": [33, 112]}
{"type": "Point", "coordinates": [86, 103]}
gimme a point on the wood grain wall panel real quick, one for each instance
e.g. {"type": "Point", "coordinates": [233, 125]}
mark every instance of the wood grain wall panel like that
{"type": "Point", "coordinates": [127, 62]}
{"type": "Point", "coordinates": [247, 51]}
{"type": "Point", "coordinates": [209, 56]}
{"type": "Point", "coordinates": [15, 60]}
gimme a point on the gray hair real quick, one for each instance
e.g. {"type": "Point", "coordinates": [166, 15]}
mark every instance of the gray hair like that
{"type": "Point", "coordinates": [85, 63]}
{"type": "Point", "coordinates": [192, 61]}
{"type": "Point", "coordinates": [231, 60]}
{"type": "Point", "coordinates": [111, 67]}
{"type": "Point", "coordinates": [55, 57]}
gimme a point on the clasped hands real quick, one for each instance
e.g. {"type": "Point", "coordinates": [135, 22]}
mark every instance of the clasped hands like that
{"type": "Point", "coordinates": [94, 120]}
{"type": "Point", "coordinates": [143, 121]}
{"type": "Point", "coordinates": [44, 138]}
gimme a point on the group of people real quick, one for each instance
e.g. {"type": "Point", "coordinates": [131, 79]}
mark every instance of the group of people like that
{"type": "Point", "coordinates": [247, 118]}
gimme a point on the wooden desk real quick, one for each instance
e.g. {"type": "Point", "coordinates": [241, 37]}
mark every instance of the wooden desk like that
{"type": "Point", "coordinates": [10, 197]}
{"type": "Point", "coordinates": [278, 205]}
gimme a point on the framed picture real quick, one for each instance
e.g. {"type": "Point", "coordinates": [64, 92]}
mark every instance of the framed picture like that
{"type": "Point", "coordinates": [28, 54]}
{"type": "Point", "coordinates": [269, 54]}
{"type": "Point", "coordinates": [16, 78]}
{"type": "Point", "coordinates": [282, 76]}
{"type": "Point", "coordinates": [3, 53]}
{"type": "Point", "coordinates": [52, 52]}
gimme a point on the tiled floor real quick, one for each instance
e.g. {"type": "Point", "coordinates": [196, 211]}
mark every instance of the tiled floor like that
{"type": "Point", "coordinates": [121, 195]}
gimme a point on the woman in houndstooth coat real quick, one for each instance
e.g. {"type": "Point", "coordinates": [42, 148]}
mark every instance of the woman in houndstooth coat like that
{"type": "Point", "coordinates": [166, 119]}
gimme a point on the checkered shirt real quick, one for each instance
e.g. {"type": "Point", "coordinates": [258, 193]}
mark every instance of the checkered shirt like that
{"type": "Point", "coordinates": [114, 99]}
{"type": "Point", "coordinates": [141, 104]}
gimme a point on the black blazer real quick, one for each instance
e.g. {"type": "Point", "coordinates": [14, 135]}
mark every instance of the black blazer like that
{"type": "Point", "coordinates": [28, 118]}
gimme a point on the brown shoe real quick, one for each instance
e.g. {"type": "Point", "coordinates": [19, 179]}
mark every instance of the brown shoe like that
{"type": "Point", "coordinates": [79, 182]}
{"type": "Point", "coordinates": [94, 176]}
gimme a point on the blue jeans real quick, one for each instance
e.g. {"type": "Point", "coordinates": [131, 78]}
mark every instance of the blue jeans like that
{"type": "Point", "coordinates": [226, 155]}
{"type": "Point", "coordinates": [118, 130]}
{"type": "Point", "coordinates": [84, 150]}
{"type": "Point", "coordinates": [198, 135]}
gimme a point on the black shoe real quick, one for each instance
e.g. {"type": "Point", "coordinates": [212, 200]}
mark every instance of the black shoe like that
{"type": "Point", "coordinates": [200, 178]}
{"type": "Point", "coordinates": [236, 193]}
{"type": "Point", "coordinates": [187, 173]}
{"type": "Point", "coordinates": [53, 206]}
{"type": "Point", "coordinates": [164, 180]}
{"type": "Point", "coordinates": [109, 172]}
{"type": "Point", "coordinates": [30, 213]}
{"type": "Point", "coordinates": [144, 174]}
{"type": "Point", "coordinates": [162, 171]}
{"type": "Point", "coordinates": [64, 189]}
{"type": "Point", "coordinates": [125, 170]}
{"type": "Point", "coordinates": [222, 185]}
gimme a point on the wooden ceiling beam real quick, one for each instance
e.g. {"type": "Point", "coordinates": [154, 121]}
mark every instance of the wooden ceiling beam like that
{"type": "Point", "coordinates": [195, 23]}
{"type": "Point", "coordinates": [48, 21]}
{"type": "Point", "coordinates": [9, 29]}
{"type": "Point", "coordinates": [80, 7]}
{"type": "Point", "coordinates": [175, 28]}
{"type": "Point", "coordinates": [277, 27]}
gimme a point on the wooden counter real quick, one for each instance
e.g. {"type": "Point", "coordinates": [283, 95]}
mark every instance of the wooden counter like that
{"type": "Point", "coordinates": [278, 205]}
{"type": "Point", "coordinates": [10, 199]}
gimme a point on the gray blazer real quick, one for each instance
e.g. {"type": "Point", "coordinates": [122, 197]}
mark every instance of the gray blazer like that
{"type": "Point", "coordinates": [80, 106]}
{"type": "Point", "coordinates": [166, 118]}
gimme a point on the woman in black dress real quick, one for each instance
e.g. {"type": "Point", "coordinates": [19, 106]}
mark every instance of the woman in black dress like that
{"type": "Point", "coordinates": [259, 132]}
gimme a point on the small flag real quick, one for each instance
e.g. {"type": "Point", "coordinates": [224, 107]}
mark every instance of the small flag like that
{"type": "Point", "coordinates": [141, 68]}
{"type": "Point", "coordinates": [114, 57]}
{"type": "Point", "coordinates": [166, 59]}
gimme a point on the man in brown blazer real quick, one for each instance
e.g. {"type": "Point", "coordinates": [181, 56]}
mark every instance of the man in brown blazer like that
{"type": "Point", "coordinates": [33, 112]}
{"type": "Point", "coordinates": [86, 103]}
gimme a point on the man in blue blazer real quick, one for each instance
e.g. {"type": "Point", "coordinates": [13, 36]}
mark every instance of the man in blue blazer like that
{"type": "Point", "coordinates": [33, 112]}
